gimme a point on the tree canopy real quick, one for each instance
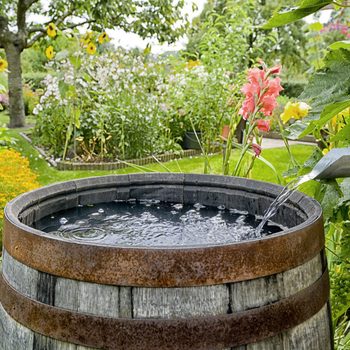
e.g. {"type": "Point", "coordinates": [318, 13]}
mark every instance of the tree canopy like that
{"type": "Point", "coordinates": [162, 19]}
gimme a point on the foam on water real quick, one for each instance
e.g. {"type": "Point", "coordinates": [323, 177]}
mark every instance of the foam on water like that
{"type": "Point", "coordinates": [154, 223]}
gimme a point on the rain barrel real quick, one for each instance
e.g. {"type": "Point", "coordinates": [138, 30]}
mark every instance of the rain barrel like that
{"type": "Point", "coordinates": [266, 293]}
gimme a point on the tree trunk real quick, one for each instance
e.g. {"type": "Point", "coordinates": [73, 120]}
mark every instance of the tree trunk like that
{"type": "Point", "coordinates": [17, 115]}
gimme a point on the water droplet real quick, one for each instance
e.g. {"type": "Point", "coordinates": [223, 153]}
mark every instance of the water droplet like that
{"type": "Point", "coordinates": [63, 221]}
{"type": "Point", "coordinates": [101, 211]}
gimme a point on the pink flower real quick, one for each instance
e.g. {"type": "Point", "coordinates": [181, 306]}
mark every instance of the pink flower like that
{"type": "Point", "coordinates": [275, 70]}
{"type": "Point", "coordinates": [263, 125]}
{"type": "Point", "coordinates": [257, 149]}
{"type": "Point", "coordinates": [274, 87]}
{"type": "Point", "coordinates": [248, 107]}
{"type": "Point", "coordinates": [268, 105]}
{"type": "Point", "coordinates": [261, 91]}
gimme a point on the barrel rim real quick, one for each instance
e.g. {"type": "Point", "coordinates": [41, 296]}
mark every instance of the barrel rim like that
{"type": "Point", "coordinates": [148, 266]}
{"type": "Point", "coordinates": [271, 191]}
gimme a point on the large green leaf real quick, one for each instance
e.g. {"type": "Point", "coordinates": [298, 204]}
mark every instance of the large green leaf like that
{"type": "Point", "coordinates": [330, 84]}
{"type": "Point", "coordinates": [304, 9]}
{"type": "Point", "coordinates": [328, 113]}
{"type": "Point", "coordinates": [344, 44]}
{"type": "Point", "coordinates": [329, 195]}
{"type": "Point", "coordinates": [343, 134]}
{"type": "Point", "coordinates": [328, 93]}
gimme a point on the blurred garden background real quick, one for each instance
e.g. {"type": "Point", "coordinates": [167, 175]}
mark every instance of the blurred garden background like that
{"type": "Point", "coordinates": [230, 74]}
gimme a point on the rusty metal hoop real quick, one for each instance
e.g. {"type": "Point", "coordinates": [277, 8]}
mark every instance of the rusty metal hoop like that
{"type": "Point", "coordinates": [160, 267]}
{"type": "Point", "coordinates": [213, 332]}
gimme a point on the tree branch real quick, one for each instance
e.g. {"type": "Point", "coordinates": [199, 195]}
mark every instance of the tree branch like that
{"type": "Point", "coordinates": [4, 30]}
{"type": "Point", "coordinates": [21, 16]}
{"type": "Point", "coordinates": [74, 25]}
{"type": "Point", "coordinates": [29, 3]}
{"type": "Point", "coordinates": [42, 31]}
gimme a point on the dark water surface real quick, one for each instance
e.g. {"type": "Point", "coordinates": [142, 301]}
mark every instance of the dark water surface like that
{"type": "Point", "coordinates": [154, 224]}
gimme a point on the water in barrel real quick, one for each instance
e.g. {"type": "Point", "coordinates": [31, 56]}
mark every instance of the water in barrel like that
{"type": "Point", "coordinates": [154, 223]}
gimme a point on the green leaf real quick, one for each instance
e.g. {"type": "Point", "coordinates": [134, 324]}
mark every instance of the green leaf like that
{"type": "Point", "coordinates": [316, 27]}
{"type": "Point", "coordinates": [342, 135]}
{"type": "Point", "coordinates": [296, 129]}
{"type": "Point", "coordinates": [61, 55]}
{"type": "Point", "coordinates": [305, 8]}
{"type": "Point", "coordinates": [344, 44]}
{"type": "Point", "coordinates": [270, 165]}
{"type": "Point", "coordinates": [328, 91]}
{"type": "Point", "coordinates": [329, 196]}
{"type": "Point", "coordinates": [328, 113]}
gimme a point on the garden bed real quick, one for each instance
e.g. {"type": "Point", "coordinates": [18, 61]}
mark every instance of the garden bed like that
{"type": "Point", "coordinates": [120, 164]}
{"type": "Point", "coordinates": [70, 165]}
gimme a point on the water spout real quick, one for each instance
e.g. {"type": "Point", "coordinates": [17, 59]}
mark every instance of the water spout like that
{"type": "Point", "coordinates": [334, 164]}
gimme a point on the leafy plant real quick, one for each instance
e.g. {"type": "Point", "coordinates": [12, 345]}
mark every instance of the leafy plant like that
{"type": "Point", "coordinates": [328, 93]}
{"type": "Point", "coordinates": [16, 177]}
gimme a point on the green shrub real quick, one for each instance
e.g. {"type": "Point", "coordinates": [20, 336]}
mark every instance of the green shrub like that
{"type": "Point", "coordinates": [34, 79]}
{"type": "Point", "coordinates": [293, 88]}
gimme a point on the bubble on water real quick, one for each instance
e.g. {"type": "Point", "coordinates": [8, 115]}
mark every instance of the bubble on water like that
{"type": "Point", "coordinates": [240, 220]}
{"type": "Point", "coordinates": [63, 221]}
{"type": "Point", "coordinates": [52, 216]}
{"type": "Point", "coordinates": [81, 222]}
{"type": "Point", "coordinates": [199, 206]}
{"type": "Point", "coordinates": [101, 211]}
{"type": "Point", "coordinates": [221, 207]}
{"type": "Point", "coordinates": [80, 205]}
{"type": "Point", "coordinates": [177, 206]}
{"type": "Point", "coordinates": [95, 214]}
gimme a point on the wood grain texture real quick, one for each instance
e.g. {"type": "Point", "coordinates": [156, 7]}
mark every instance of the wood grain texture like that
{"type": "Point", "coordinates": [21, 277]}
{"type": "Point", "coordinates": [13, 336]}
{"type": "Point", "coordinates": [132, 302]}
{"type": "Point", "coordinates": [180, 302]}
{"type": "Point", "coordinates": [314, 334]}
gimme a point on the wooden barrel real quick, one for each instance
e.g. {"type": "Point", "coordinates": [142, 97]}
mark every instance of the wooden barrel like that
{"type": "Point", "coordinates": [269, 293]}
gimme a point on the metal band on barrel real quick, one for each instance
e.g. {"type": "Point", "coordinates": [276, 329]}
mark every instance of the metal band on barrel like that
{"type": "Point", "coordinates": [213, 332]}
{"type": "Point", "coordinates": [164, 267]}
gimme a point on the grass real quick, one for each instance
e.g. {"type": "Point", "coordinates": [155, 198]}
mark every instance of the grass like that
{"type": "Point", "coordinates": [47, 174]}
{"type": "Point", "coordinates": [4, 120]}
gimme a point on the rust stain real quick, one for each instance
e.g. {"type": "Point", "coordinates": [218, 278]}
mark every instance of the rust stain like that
{"type": "Point", "coordinates": [197, 333]}
{"type": "Point", "coordinates": [149, 267]}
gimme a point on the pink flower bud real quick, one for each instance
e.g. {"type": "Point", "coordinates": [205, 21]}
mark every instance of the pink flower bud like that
{"type": "Point", "coordinates": [257, 149]}
{"type": "Point", "coordinates": [275, 70]}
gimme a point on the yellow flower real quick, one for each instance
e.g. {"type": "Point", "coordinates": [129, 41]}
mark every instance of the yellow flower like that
{"type": "Point", "coordinates": [295, 110]}
{"type": "Point", "coordinates": [338, 121]}
{"type": "Point", "coordinates": [87, 38]}
{"type": "Point", "coordinates": [91, 49]}
{"type": "Point", "coordinates": [103, 38]}
{"type": "Point", "coordinates": [3, 65]}
{"type": "Point", "coordinates": [191, 64]}
{"type": "Point", "coordinates": [51, 30]}
{"type": "Point", "coordinates": [49, 52]}
{"type": "Point", "coordinates": [325, 151]}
